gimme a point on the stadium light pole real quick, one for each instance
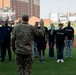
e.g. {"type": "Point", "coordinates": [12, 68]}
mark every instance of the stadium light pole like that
{"type": "Point", "coordinates": [68, 13]}
{"type": "Point", "coordinates": [49, 13]}
{"type": "Point", "coordinates": [58, 14]}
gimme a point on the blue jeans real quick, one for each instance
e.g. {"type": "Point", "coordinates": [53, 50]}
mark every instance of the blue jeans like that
{"type": "Point", "coordinates": [51, 49]}
{"type": "Point", "coordinates": [60, 49]}
{"type": "Point", "coordinates": [68, 48]}
{"type": "Point", "coordinates": [35, 50]}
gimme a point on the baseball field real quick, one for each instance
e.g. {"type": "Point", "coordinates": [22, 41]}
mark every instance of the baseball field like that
{"type": "Point", "coordinates": [50, 67]}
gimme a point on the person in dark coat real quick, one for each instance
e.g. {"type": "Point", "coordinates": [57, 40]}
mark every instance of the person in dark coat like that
{"type": "Point", "coordinates": [6, 36]}
{"type": "Point", "coordinates": [42, 40]}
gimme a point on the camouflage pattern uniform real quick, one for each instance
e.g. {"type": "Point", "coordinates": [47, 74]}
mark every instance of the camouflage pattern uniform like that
{"type": "Point", "coordinates": [22, 39]}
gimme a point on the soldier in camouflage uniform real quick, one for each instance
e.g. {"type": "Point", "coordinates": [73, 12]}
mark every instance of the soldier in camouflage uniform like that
{"type": "Point", "coordinates": [22, 40]}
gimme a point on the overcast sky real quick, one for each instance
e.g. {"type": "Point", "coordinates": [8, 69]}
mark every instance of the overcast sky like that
{"type": "Point", "coordinates": [56, 5]}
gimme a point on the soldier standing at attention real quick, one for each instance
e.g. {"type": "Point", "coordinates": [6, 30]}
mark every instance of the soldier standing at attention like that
{"type": "Point", "coordinates": [22, 40]}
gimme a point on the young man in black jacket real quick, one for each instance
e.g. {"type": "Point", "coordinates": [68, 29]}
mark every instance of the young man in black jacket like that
{"type": "Point", "coordinates": [60, 38]}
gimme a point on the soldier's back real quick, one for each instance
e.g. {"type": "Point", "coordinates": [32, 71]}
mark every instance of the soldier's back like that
{"type": "Point", "coordinates": [24, 39]}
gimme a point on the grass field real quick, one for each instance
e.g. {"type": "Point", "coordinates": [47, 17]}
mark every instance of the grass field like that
{"type": "Point", "coordinates": [50, 67]}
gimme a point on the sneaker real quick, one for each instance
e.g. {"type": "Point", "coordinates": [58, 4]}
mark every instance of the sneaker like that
{"type": "Point", "coordinates": [58, 60]}
{"type": "Point", "coordinates": [62, 60]}
{"type": "Point", "coordinates": [50, 57]}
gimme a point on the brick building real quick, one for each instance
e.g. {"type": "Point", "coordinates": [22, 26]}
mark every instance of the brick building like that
{"type": "Point", "coordinates": [20, 7]}
{"type": "Point", "coordinates": [5, 4]}
{"type": "Point", "coordinates": [30, 7]}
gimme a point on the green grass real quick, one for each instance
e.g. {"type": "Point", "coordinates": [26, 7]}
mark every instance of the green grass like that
{"type": "Point", "coordinates": [50, 67]}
